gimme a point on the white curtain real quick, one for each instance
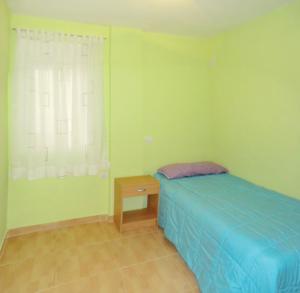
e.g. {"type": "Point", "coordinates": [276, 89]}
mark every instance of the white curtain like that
{"type": "Point", "coordinates": [57, 113]}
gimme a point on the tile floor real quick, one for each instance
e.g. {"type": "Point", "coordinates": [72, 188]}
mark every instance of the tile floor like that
{"type": "Point", "coordinates": [94, 258]}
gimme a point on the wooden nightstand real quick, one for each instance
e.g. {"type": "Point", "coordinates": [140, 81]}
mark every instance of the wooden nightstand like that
{"type": "Point", "coordinates": [134, 186]}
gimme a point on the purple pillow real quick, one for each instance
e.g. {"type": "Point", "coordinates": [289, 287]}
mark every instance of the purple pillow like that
{"type": "Point", "coordinates": [191, 169]}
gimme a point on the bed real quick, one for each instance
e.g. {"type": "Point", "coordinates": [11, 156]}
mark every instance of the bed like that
{"type": "Point", "coordinates": [235, 236]}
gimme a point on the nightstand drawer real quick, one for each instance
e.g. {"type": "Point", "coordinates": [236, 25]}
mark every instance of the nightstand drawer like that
{"type": "Point", "coordinates": [139, 190]}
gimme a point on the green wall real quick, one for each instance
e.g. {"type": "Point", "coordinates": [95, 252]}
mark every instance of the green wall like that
{"type": "Point", "coordinates": [233, 98]}
{"type": "Point", "coordinates": [159, 88]}
{"type": "Point", "coordinates": [136, 96]}
{"type": "Point", "coordinates": [176, 105]}
{"type": "Point", "coordinates": [4, 52]}
{"type": "Point", "coordinates": [126, 102]}
{"type": "Point", "coordinates": [255, 87]}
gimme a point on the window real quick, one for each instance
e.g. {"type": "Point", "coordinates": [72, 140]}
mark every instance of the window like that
{"type": "Point", "coordinates": [57, 106]}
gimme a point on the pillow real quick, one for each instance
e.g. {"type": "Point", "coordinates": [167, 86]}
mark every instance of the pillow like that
{"type": "Point", "coordinates": [191, 169]}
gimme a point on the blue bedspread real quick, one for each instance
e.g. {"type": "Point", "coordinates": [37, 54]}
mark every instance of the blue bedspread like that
{"type": "Point", "coordinates": [235, 236]}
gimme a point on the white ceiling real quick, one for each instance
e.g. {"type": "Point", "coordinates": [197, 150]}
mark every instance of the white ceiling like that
{"type": "Point", "coordinates": [190, 17]}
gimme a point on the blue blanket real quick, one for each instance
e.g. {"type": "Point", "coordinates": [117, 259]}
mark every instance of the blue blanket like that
{"type": "Point", "coordinates": [235, 236]}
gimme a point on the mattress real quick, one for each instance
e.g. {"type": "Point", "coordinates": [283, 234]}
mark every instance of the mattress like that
{"type": "Point", "coordinates": [235, 236]}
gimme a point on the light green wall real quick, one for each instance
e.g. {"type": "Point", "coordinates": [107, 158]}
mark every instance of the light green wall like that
{"type": "Point", "coordinates": [159, 88]}
{"type": "Point", "coordinates": [233, 98]}
{"type": "Point", "coordinates": [4, 52]}
{"type": "Point", "coordinates": [176, 105]}
{"type": "Point", "coordinates": [126, 106]}
{"type": "Point", "coordinates": [136, 96]}
{"type": "Point", "coordinates": [256, 100]}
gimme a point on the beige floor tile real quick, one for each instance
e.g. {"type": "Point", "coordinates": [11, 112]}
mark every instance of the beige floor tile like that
{"type": "Point", "coordinates": [64, 239]}
{"type": "Point", "coordinates": [135, 249]}
{"type": "Point", "coordinates": [110, 282]}
{"type": "Point", "coordinates": [29, 275]}
{"type": "Point", "coordinates": [17, 249]}
{"type": "Point", "coordinates": [166, 274]}
{"type": "Point", "coordinates": [123, 253]}
{"type": "Point", "coordinates": [16, 277]}
{"type": "Point", "coordinates": [164, 242]}
{"type": "Point", "coordinates": [67, 266]}
{"type": "Point", "coordinates": [31, 245]}
{"type": "Point", "coordinates": [193, 290]}
{"type": "Point", "coordinates": [89, 234]}
{"type": "Point", "coordinates": [189, 274]}
{"type": "Point", "coordinates": [94, 258]}
{"type": "Point", "coordinates": [106, 282]}
{"type": "Point", "coordinates": [112, 233]}
{"type": "Point", "coordinates": [78, 286]}
{"type": "Point", "coordinates": [43, 271]}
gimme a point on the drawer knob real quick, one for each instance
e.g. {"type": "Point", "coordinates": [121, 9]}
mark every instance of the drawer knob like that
{"type": "Point", "coordinates": [141, 189]}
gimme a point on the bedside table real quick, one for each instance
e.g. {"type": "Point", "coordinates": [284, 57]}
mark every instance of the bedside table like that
{"type": "Point", "coordinates": [135, 186]}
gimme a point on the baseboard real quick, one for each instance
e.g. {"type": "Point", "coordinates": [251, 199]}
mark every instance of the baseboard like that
{"type": "Point", "coordinates": [57, 225]}
{"type": "Point", "coordinates": [2, 244]}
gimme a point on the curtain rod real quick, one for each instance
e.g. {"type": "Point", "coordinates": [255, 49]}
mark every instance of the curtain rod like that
{"type": "Point", "coordinates": [66, 34]}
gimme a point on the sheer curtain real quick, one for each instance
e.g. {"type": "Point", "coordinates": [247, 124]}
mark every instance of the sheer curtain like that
{"type": "Point", "coordinates": [57, 113]}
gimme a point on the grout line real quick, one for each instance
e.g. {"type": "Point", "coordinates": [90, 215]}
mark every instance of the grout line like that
{"type": "Point", "coordinates": [119, 269]}
{"type": "Point", "coordinates": [76, 246]}
{"type": "Point", "coordinates": [148, 260]}
{"type": "Point", "coordinates": [124, 287]}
